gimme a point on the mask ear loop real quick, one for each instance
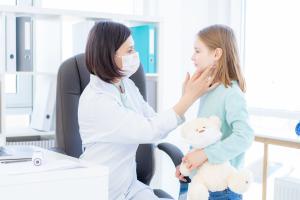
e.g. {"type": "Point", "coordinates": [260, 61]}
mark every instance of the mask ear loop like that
{"type": "Point", "coordinates": [122, 88]}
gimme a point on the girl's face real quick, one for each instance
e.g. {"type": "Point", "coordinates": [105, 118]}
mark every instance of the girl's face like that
{"type": "Point", "coordinates": [203, 56]}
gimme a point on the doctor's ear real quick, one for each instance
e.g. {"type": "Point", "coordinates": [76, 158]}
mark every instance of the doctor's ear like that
{"type": "Point", "coordinates": [218, 53]}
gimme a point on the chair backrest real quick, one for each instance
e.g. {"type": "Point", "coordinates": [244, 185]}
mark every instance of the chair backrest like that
{"type": "Point", "coordinates": [72, 78]}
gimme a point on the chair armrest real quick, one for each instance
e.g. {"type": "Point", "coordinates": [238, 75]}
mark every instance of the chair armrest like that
{"type": "Point", "coordinates": [173, 152]}
{"type": "Point", "coordinates": [176, 156]}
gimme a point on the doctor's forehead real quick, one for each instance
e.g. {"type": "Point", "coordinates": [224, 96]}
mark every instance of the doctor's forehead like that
{"type": "Point", "coordinates": [129, 43]}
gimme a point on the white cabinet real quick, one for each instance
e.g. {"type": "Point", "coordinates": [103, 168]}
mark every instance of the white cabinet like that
{"type": "Point", "coordinates": [33, 43]}
{"type": "Point", "coordinates": [59, 177]}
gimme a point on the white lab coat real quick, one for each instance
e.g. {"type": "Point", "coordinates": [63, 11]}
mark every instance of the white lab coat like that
{"type": "Point", "coordinates": [111, 132]}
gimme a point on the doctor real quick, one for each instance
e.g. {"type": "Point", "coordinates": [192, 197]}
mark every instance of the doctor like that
{"type": "Point", "coordinates": [113, 116]}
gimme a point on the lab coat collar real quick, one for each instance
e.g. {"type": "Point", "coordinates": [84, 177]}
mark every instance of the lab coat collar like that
{"type": "Point", "coordinates": [104, 88]}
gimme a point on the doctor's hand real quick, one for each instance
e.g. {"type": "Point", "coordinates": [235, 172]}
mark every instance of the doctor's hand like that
{"type": "Point", "coordinates": [179, 175]}
{"type": "Point", "coordinates": [200, 82]}
{"type": "Point", "coordinates": [187, 78]}
{"type": "Point", "coordinates": [194, 159]}
{"type": "Point", "coordinates": [195, 86]}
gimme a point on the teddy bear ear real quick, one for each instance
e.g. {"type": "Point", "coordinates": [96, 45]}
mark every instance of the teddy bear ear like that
{"type": "Point", "coordinates": [215, 120]}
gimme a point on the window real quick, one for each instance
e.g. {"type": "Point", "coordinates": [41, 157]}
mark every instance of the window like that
{"type": "Point", "coordinates": [272, 72]}
{"type": "Point", "coordinates": [271, 65]}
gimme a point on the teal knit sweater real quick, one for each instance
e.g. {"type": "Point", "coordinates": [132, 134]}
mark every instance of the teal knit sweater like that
{"type": "Point", "coordinates": [237, 135]}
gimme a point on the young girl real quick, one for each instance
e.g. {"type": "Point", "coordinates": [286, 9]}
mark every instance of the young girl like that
{"type": "Point", "coordinates": [216, 45]}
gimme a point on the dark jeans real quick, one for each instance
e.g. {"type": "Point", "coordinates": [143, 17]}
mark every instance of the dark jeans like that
{"type": "Point", "coordinates": [225, 195]}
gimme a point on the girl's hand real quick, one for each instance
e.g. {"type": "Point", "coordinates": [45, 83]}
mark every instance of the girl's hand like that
{"type": "Point", "coordinates": [194, 159]}
{"type": "Point", "coordinates": [179, 175]}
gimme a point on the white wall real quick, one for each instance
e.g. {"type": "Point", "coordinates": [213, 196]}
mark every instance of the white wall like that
{"type": "Point", "coordinates": [170, 75]}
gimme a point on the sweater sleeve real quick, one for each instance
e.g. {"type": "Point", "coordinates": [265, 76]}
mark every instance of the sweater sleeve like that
{"type": "Point", "coordinates": [242, 135]}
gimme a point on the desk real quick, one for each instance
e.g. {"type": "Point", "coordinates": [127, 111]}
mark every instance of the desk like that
{"type": "Point", "coordinates": [87, 181]}
{"type": "Point", "coordinates": [266, 140]}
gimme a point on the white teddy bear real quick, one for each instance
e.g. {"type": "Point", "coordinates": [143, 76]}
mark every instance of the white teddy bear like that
{"type": "Point", "coordinates": [200, 133]}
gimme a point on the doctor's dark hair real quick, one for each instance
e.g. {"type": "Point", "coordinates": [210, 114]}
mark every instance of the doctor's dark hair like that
{"type": "Point", "coordinates": [104, 39]}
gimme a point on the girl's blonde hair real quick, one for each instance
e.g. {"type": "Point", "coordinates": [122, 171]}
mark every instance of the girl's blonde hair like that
{"type": "Point", "coordinates": [228, 69]}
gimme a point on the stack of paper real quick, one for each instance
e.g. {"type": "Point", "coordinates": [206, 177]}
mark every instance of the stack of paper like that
{"type": "Point", "coordinates": [12, 154]}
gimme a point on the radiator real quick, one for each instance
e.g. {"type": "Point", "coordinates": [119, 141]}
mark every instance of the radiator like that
{"type": "Point", "coordinates": [287, 188]}
{"type": "Point", "coordinates": [40, 143]}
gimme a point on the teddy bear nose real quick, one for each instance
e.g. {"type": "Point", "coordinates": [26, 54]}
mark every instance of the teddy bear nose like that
{"type": "Point", "coordinates": [200, 130]}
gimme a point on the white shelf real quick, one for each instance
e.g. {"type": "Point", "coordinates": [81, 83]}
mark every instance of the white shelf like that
{"type": "Point", "coordinates": [59, 16]}
{"type": "Point", "coordinates": [46, 12]}
{"type": "Point", "coordinates": [27, 132]}
{"type": "Point", "coordinates": [152, 76]}
{"type": "Point", "coordinates": [19, 73]}
{"type": "Point", "coordinates": [31, 73]}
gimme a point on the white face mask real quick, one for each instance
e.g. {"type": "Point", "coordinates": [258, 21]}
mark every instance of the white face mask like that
{"type": "Point", "coordinates": [130, 64]}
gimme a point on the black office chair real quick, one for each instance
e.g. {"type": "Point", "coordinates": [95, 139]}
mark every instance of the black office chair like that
{"type": "Point", "coordinates": [72, 78]}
